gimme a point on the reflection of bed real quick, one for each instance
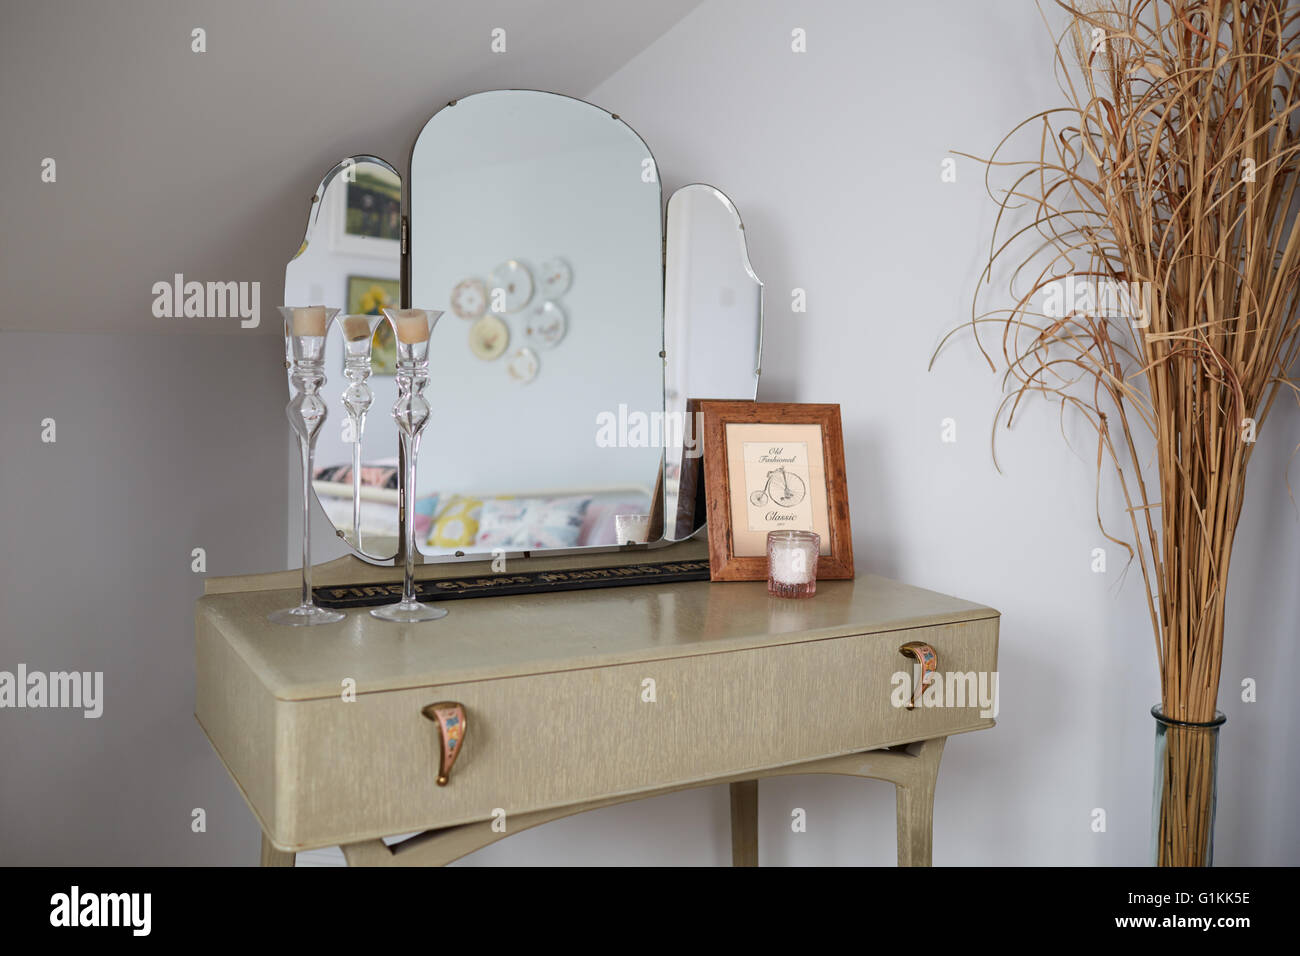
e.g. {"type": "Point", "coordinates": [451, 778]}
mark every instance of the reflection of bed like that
{"type": "Point", "coordinates": [474, 522]}
{"type": "Point", "coordinates": [378, 507]}
{"type": "Point", "coordinates": [524, 521]}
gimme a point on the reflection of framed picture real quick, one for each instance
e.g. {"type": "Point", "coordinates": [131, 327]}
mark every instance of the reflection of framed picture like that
{"type": "Point", "coordinates": [369, 296]}
{"type": "Point", "coordinates": [369, 220]}
{"type": "Point", "coordinates": [770, 467]}
{"type": "Point", "coordinates": [691, 506]}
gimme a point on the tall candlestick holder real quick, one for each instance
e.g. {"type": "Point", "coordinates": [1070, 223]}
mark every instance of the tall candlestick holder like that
{"type": "Point", "coordinates": [304, 336]}
{"type": "Point", "coordinates": [412, 328]}
{"type": "Point", "coordinates": [358, 334]}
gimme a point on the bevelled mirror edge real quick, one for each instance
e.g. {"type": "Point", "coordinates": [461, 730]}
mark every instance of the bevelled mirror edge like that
{"type": "Point", "coordinates": [348, 162]}
{"type": "Point", "coordinates": [742, 241]}
{"type": "Point", "coordinates": [713, 304]}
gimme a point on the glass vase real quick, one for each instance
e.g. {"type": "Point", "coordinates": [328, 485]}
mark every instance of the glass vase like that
{"type": "Point", "coordinates": [412, 328]}
{"type": "Point", "coordinates": [304, 336]}
{"type": "Point", "coordinates": [1185, 792]}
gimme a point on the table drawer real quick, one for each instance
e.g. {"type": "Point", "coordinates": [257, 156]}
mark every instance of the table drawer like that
{"type": "Point", "coordinates": [553, 739]}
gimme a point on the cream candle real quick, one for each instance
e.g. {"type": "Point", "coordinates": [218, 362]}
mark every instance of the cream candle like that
{"type": "Point", "coordinates": [412, 325]}
{"type": "Point", "coordinates": [309, 320]}
{"type": "Point", "coordinates": [356, 327]}
{"type": "Point", "coordinates": [631, 529]}
{"type": "Point", "coordinates": [792, 563]}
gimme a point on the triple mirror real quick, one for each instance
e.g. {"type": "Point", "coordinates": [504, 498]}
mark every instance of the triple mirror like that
{"type": "Point", "coordinates": [575, 328]}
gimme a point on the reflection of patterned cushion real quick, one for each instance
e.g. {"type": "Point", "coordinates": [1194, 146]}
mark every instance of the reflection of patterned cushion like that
{"type": "Point", "coordinates": [525, 523]}
{"type": "Point", "coordinates": [425, 509]}
{"type": "Point", "coordinates": [456, 523]}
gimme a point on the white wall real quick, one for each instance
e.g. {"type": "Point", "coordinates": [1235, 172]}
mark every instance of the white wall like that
{"type": "Point", "coordinates": [156, 454]}
{"type": "Point", "coordinates": [833, 158]}
{"type": "Point", "coordinates": [174, 161]}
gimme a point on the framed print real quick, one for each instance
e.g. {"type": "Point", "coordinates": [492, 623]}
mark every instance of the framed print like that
{"type": "Point", "coordinates": [771, 466]}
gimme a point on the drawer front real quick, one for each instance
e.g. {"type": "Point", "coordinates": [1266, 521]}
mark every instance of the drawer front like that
{"type": "Point", "coordinates": [356, 770]}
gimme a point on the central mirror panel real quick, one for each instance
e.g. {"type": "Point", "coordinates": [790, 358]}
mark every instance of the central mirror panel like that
{"type": "Point", "coordinates": [536, 227]}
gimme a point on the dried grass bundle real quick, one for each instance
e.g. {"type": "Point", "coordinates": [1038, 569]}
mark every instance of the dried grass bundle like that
{"type": "Point", "coordinates": [1170, 177]}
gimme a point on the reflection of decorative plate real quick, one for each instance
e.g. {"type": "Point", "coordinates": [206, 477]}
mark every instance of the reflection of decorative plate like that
{"type": "Point", "coordinates": [554, 276]}
{"type": "Point", "coordinates": [545, 324]}
{"type": "Point", "coordinates": [488, 337]}
{"type": "Point", "coordinates": [515, 283]}
{"type": "Point", "coordinates": [469, 298]}
{"type": "Point", "coordinates": [523, 366]}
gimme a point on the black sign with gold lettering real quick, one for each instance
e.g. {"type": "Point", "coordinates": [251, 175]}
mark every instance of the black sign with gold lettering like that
{"type": "Point", "coordinates": [526, 582]}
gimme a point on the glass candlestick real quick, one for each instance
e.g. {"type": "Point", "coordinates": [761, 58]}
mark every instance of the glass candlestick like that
{"type": "Point", "coordinates": [412, 328]}
{"type": "Point", "coordinates": [792, 563]}
{"type": "Point", "coordinates": [358, 333]}
{"type": "Point", "coordinates": [304, 336]}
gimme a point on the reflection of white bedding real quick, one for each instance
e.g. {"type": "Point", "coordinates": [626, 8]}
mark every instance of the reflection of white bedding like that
{"type": "Point", "coordinates": [336, 489]}
{"type": "Point", "coordinates": [379, 509]}
{"type": "Point", "coordinates": [377, 517]}
{"type": "Point", "coordinates": [483, 528]}
{"type": "Point", "coordinates": [380, 518]}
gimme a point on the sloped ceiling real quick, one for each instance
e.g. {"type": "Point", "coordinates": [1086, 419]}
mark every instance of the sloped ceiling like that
{"type": "Point", "coordinates": [173, 161]}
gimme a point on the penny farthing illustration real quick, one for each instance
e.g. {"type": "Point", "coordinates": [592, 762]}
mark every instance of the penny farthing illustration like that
{"type": "Point", "coordinates": [782, 488]}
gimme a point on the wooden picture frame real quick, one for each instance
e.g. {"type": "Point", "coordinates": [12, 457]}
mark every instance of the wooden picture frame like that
{"type": "Point", "coordinates": [798, 481]}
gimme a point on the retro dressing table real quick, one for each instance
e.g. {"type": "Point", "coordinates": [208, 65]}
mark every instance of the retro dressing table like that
{"type": "Point", "coordinates": [573, 294]}
{"type": "Point", "coordinates": [554, 691]}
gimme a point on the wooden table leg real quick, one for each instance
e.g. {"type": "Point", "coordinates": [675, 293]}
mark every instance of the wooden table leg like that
{"type": "Point", "coordinates": [744, 823]}
{"type": "Point", "coordinates": [916, 805]}
{"type": "Point", "coordinates": [273, 857]}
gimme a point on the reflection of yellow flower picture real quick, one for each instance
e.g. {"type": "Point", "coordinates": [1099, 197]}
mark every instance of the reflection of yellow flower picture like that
{"type": "Point", "coordinates": [369, 296]}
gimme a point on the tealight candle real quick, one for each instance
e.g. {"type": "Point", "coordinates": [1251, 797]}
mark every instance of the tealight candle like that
{"type": "Point", "coordinates": [412, 326]}
{"type": "Point", "coordinates": [356, 327]}
{"type": "Point", "coordinates": [309, 320]}
{"type": "Point", "coordinates": [792, 563]}
{"type": "Point", "coordinates": [631, 529]}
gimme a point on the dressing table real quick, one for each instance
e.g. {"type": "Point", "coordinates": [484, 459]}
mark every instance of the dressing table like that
{"type": "Point", "coordinates": [582, 318]}
{"type": "Point", "coordinates": [560, 716]}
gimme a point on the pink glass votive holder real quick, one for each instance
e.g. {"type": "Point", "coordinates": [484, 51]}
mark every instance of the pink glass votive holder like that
{"type": "Point", "coordinates": [792, 563]}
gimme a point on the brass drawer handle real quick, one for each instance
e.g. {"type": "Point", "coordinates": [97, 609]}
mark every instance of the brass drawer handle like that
{"type": "Point", "coordinates": [928, 658]}
{"type": "Point", "coordinates": [449, 717]}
